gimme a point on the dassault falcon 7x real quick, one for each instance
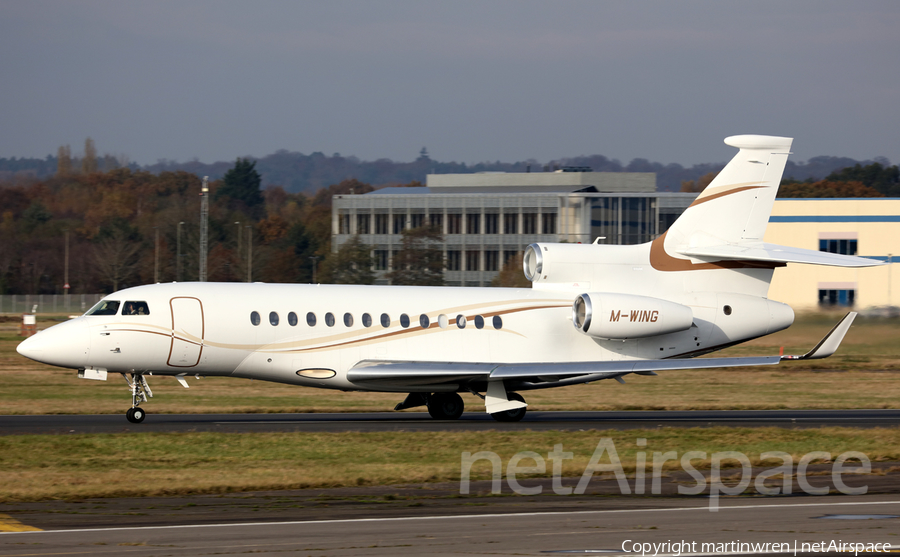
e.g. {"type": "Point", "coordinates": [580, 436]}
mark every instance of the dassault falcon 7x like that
{"type": "Point", "coordinates": [593, 312]}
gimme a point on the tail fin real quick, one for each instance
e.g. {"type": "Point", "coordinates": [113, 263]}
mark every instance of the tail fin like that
{"type": "Point", "coordinates": [735, 207]}
{"type": "Point", "coordinates": [728, 220]}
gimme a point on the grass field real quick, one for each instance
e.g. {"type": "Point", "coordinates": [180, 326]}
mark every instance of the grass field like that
{"type": "Point", "coordinates": [864, 374]}
{"type": "Point", "coordinates": [37, 467]}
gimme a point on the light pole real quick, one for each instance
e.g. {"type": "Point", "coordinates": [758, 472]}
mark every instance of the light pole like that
{"type": "Point", "coordinates": [238, 225]}
{"type": "Point", "coordinates": [66, 278]}
{"type": "Point", "coordinates": [156, 255]}
{"type": "Point", "coordinates": [178, 258]}
{"type": "Point", "coordinates": [249, 253]}
{"type": "Point", "coordinates": [204, 220]}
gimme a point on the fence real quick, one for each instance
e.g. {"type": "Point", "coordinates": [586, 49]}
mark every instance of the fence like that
{"type": "Point", "coordinates": [48, 303]}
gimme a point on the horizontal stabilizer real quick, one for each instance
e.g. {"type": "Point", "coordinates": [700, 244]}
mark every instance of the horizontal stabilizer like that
{"type": "Point", "coordinates": [774, 253]}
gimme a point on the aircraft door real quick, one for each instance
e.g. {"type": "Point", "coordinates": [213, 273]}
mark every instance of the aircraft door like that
{"type": "Point", "coordinates": [188, 329]}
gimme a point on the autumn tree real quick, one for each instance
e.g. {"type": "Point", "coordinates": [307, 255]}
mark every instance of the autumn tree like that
{"type": "Point", "coordinates": [420, 259]}
{"type": "Point", "coordinates": [63, 161]}
{"type": "Point", "coordinates": [698, 185]}
{"type": "Point", "coordinates": [511, 274]}
{"type": "Point", "coordinates": [89, 162]}
{"type": "Point", "coordinates": [352, 264]}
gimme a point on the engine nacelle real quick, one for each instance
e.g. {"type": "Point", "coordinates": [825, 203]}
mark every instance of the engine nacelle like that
{"type": "Point", "coordinates": [623, 316]}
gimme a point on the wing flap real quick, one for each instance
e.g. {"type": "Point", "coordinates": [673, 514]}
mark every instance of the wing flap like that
{"type": "Point", "coordinates": [775, 253]}
{"type": "Point", "coordinates": [389, 374]}
{"type": "Point", "coordinates": [607, 369]}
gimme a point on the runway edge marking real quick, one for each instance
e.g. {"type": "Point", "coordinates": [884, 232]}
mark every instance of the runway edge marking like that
{"type": "Point", "coordinates": [9, 525]}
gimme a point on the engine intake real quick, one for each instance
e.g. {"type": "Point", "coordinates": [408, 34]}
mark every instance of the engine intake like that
{"type": "Point", "coordinates": [623, 316]}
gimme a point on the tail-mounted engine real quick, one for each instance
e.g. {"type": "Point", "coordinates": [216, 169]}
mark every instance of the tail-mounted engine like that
{"type": "Point", "coordinates": [624, 316]}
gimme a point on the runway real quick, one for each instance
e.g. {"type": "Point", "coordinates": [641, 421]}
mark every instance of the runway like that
{"type": "Point", "coordinates": [420, 421]}
{"type": "Point", "coordinates": [612, 526]}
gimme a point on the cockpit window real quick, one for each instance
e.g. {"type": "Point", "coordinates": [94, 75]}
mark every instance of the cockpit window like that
{"type": "Point", "coordinates": [104, 307]}
{"type": "Point", "coordinates": [136, 308]}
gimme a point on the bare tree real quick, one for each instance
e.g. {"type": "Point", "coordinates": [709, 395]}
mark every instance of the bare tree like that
{"type": "Point", "coordinates": [116, 258]}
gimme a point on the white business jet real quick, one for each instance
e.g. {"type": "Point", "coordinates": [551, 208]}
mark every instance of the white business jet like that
{"type": "Point", "coordinates": [593, 312]}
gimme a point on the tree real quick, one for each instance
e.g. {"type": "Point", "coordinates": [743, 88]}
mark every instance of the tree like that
{"type": "Point", "coordinates": [420, 260]}
{"type": "Point", "coordinates": [511, 274]}
{"type": "Point", "coordinates": [116, 257]}
{"type": "Point", "coordinates": [884, 179]}
{"type": "Point", "coordinates": [826, 188]}
{"type": "Point", "coordinates": [89, 162]}
{"type": "Point", "coordinates": [63, 161]}
{"type": "Point", "coordinates": [699, 184]}
{"type": "Point", "coordinates": [352, 264]}
{"type": "Point", "coordinates": [240, 186]}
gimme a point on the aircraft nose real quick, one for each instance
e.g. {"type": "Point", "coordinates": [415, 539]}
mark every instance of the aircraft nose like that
{"type": "Point", "coordinates": [64, 345]}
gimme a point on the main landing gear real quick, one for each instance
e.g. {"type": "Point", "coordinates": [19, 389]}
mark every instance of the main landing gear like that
{"type": "Point", "coordinates": [511, 415]}
{"type": "Point", "coordinates": [450, 406]}
{"type": "Point", "coordinates": [445, 406]}
{"type": "Point", "coordinates": [140, 392]}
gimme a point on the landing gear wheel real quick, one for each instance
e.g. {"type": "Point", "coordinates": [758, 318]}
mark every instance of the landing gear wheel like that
{"type": "Point", "coordinates": [511, 415]}
{"type": "Point", "coordinates": [135, 415]}
{"type": "Point", "coordinates": [445, 406]}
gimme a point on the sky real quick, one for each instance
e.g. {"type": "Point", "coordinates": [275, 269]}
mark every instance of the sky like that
{"type": "Point", "coordinates": [472, 81]}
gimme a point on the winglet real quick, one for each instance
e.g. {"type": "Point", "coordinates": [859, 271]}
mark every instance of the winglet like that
{"type": "Point", "coordinates": [828, 345]}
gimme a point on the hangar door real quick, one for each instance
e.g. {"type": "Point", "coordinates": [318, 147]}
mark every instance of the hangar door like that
{"type": "Point", "coordinates": [187, 332]}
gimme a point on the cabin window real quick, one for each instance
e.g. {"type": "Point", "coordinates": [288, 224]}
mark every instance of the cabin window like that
{"type": "Point", "coordinates": [404, 320]}
{"type": "Point", "coordinates": [254, 318]}
{"type": "Point", "coordinates": [311, 319]}
{"type": "Point", "coordinates": [292, 319]}
{"type": "Point", "coordinates": [273, 318]}
{"type": "Point", "coordinates": [424, 321]}
{"type": "Point", "coordinates": [385, 320]}
{"type": "Point", "coordinates": [461, 321]}
{"type": "Point", "coordinates": [348, 320]}
{"type": "Point", "coordinates": [497, 322]}
{"type": "Point", "coordinates": [479, 322]}
{"type": "Point", "coordinates": [329, 319]}
{"type": "Point", "coordinates": [366, 320]}
{"type": "Point", "coordinates": [105, 307]}
{"type": "Point", "coordinates": [135, 308]}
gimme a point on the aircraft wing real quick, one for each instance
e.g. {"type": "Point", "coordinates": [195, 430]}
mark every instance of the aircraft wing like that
{"type": "Point", "coordinates": [775, 253]}
{"type": "Point", "coordinates": [417, 375]}
{"type": "Point", "coordinates": [421, 376]}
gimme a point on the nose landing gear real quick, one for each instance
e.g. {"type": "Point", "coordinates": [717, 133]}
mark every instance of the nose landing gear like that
{"type": "Point", "coordinates": [140, 392]}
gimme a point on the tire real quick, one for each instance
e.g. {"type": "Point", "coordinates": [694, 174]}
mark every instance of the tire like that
{"type": "Point", "coordinates": [445, 406]}
{"type": "Point", "coordinates": [511, 415]}
{"type": "Point", "coordinates": [135, 415]}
